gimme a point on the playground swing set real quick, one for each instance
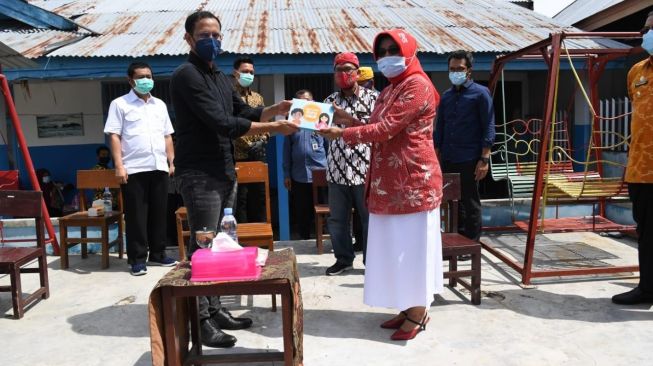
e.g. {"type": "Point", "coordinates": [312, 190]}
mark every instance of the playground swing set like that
{"type": "Point", "coordinates": [535, 158]}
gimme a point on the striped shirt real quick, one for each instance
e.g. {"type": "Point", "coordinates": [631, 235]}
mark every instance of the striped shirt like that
{"type": "Point", "coordinates": [347, 165]}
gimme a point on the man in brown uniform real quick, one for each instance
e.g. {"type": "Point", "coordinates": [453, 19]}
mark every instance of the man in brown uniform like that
{"type": "Point", "coordinates": [250, 200]}
{"type": "Point", "coordinates": [639, 172]}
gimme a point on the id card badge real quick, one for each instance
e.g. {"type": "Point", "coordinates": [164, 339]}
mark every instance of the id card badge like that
{"type": "Point", "coordinates": [316, 146]}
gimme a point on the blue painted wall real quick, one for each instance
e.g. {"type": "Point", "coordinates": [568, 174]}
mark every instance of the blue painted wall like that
{"type": "Point", "coordinates": [62, 161]}
{"type": "Point", "coordinates": [580, 140]}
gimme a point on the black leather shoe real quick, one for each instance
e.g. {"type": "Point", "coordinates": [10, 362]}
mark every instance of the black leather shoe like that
{"type": "Point", "coordinates": [214, 337]}
{"type": "Point", "coordinates": [464, 257]}
{"type": "Point", "coordinates": [224, 320]}
{"type": "Point", "coordinates": [633, 297]}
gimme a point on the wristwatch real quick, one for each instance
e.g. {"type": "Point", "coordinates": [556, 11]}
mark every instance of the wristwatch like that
{"type": "Point", "coordinates": [484, 160]}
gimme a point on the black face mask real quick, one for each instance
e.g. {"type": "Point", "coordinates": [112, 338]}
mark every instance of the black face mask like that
{"type": "Point", "coordinates": [104, 160]}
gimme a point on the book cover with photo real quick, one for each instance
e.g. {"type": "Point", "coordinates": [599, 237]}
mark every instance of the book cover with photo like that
{"type": "Point", "coordinates": [311, 115]}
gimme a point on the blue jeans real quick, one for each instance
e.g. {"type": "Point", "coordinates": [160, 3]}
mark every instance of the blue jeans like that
{"type": "Point", "coordinates": [205, 199]}
{"type": "Point", "coordinates": [342, 199]}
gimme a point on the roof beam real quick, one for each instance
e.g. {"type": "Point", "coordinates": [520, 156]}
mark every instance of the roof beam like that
{"type": "Point", "coordinates": [35, 16]}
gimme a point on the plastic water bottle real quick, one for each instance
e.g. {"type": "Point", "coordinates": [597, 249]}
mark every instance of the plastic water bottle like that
{"type": "Point", "coordinates": [228, 224]}
{"type": "Point", "coordinates": [107, 199]}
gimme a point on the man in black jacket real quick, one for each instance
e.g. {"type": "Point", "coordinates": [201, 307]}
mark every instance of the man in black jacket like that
{"type": "Point", "coordinates": [210, 115]}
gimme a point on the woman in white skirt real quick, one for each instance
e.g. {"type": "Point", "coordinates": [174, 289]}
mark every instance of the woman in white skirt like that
{"type": "Point", "coordinates": [403, 187]}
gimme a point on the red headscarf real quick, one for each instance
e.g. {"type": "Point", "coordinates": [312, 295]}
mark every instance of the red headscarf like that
{"type": "Point", "coordinates": [408, 46]}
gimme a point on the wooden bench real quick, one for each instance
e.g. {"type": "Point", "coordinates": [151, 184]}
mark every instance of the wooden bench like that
{"type": "Point", "coordinates": [13, 260]}
{"type": "Point", "coordinates": [455, 244]}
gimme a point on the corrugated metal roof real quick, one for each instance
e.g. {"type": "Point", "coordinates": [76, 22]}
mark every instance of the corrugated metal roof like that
{"type": "Point", "coordinates": [34, 43]}
{"type": "Point", "coordinates": [582, 9]}
{"type": "Point", "coordinates": [13, 59]}
{"type": "Point", "coordinates": [141, 28]}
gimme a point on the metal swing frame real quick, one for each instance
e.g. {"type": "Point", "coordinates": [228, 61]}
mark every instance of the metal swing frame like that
{"type": "Point", "coordinates": [550, 50]}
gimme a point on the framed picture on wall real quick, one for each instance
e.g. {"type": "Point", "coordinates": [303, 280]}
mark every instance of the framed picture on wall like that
{"type": "Point", "coordinates": [60, 125]}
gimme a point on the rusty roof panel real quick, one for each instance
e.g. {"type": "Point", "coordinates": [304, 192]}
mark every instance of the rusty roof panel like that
{"type": "Point", "coordinates": [140, 28]}
{"type": "Point", "coordinates": [36, 43]}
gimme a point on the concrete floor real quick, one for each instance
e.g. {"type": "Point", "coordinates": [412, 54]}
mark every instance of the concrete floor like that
{"type": "Point", "coordinates": [99, 317]}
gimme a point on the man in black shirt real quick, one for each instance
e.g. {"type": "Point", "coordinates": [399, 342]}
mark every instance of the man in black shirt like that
{"type": "Point", "coordinates": [210, 115]}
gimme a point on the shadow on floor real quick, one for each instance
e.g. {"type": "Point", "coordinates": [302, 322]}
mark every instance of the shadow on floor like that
{"type": "Point", "coordinates": [547, 305]}
{"type": "Point", "coordinates": [144, 360]}
{"type": "Point", "coordinates": [114, 321]}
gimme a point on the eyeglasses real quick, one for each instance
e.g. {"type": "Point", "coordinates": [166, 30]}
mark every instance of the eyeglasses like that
{"type": "Point", "coordinates": [204, 35]}
{"type": "Point", "coordinates": [645, 30]}
{"type": "Point", "coordinates": [392, 51]}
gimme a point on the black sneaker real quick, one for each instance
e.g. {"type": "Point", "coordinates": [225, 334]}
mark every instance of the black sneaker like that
{"type": "Point", "coordinates": [338, 268]}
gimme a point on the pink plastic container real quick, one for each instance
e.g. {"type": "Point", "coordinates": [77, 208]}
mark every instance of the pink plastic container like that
{"type": "Point", "coordinates": [225, 266]}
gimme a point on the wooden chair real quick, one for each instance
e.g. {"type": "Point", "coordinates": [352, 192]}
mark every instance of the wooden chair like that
{"type": "Point", "coordinates": [183, 231]}
{"type": "Point", "coordinates": [256, 233]}
{"type": "Point", "coordinates": [455, 244]}
{"type": "Point", "coordinates": [92, 180]}
{"type": "Point", "coordinates": [321, 210]}
{"type": "Point", "coordinates": [12, 260]}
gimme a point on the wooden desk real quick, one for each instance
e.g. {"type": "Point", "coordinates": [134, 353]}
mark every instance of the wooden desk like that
{"type": "Point", "coordinates": [84, 221]}
{"type": "Point", "coordinates": [173, 304]}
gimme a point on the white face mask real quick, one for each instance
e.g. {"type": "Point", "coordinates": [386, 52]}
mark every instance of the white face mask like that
{"type": "Point", "coordinates": [647, 42]}
{"type": "Point", "coordinates": [457, 77]}
{"type": "Point", "coordinates": [391, 66]}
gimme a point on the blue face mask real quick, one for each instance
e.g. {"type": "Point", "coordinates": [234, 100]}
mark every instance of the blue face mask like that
{"type": "Point", "coordinates": [208, 48]}
{"type": "Point", "coordinates": [647, 42]}
{"type": "Point", "coordinates": [391, 66]}
{"type": "Point", "coordinates": [245, 79]}
{"type": "Point", "coordinates": [457, 77]}
{"type": "Point", "coordinates": [143, 85]}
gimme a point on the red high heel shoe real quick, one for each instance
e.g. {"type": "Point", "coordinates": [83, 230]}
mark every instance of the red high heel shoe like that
{"type": "Point", "coordinates": [401, 335]}
{"type": "Point", "coordinates": [394, 323]}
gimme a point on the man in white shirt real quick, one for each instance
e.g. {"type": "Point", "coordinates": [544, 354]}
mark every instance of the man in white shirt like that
{"type": "Point", "coordinates": [139, 130]}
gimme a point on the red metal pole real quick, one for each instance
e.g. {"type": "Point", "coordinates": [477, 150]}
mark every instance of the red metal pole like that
{"type": "Point", "coordinates": [497, 67]}
{"type": "Point", "coordinates": [11, 108]}
{"type": "Point", "coordinates": [556, 40]}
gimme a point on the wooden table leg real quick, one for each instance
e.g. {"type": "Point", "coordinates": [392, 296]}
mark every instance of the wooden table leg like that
{"type": "Point", "coordinates": [63, 250]}
{"type": "Point", "coordinates": [105, 245]}
{"type": "Point", "coordinates": [286, 314]}
{"type": "Point", "coordinates": [193, 312]}
{"type": "Point", "coordinates": [170, 334]}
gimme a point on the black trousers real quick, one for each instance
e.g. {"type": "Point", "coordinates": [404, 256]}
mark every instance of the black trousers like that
{"type": "Point", "coordinates": [145, 196]}
{"type": "Point", "coordinates": [641, 194]}
{"type": "Point", "coordinates": [469, 211]}
{"type": "Point", "coordinates": [205, 199]}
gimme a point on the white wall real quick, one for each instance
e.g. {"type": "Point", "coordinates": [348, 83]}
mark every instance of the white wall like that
{"type": "Point", "coordinates": [42, 98]}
